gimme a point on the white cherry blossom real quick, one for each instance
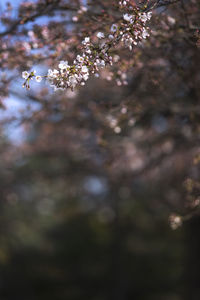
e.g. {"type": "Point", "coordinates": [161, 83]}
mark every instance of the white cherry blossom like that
{"type": "Point", "coordinates": [100, 35]}
{"type": "Point", "coordinates": [128, 32]}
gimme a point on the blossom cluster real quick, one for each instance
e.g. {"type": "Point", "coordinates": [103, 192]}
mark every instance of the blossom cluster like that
{"type": "Point", "coordinates": [81, 11]}
{"type": "Point", "coordinates": [175, 221]}
{"type": "Point", "coordinates": [96, 55]}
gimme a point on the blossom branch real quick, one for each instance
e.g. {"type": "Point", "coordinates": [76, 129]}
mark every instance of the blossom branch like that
{"type": "Point", "coordinates": [129, 31]}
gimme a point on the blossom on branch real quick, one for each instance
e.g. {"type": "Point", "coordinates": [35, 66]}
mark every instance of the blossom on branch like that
{"type": "Point", "coordinates": [130, 30]}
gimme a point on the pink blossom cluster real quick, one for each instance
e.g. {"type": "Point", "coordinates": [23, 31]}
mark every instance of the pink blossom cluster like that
{"type": "Point", "coordinates": [129, 31]}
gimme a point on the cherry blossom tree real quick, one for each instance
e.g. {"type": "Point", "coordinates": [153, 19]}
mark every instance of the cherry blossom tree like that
{"type": "Point", "coordinates": [146, 54]}
{"type": "Point", "coordinates": [109, 154]}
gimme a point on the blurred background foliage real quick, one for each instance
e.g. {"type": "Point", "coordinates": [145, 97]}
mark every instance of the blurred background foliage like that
{"type": "Point", "coordinates": [88, 188]}
{"type": "Point", "coordinates": [82, 236]}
